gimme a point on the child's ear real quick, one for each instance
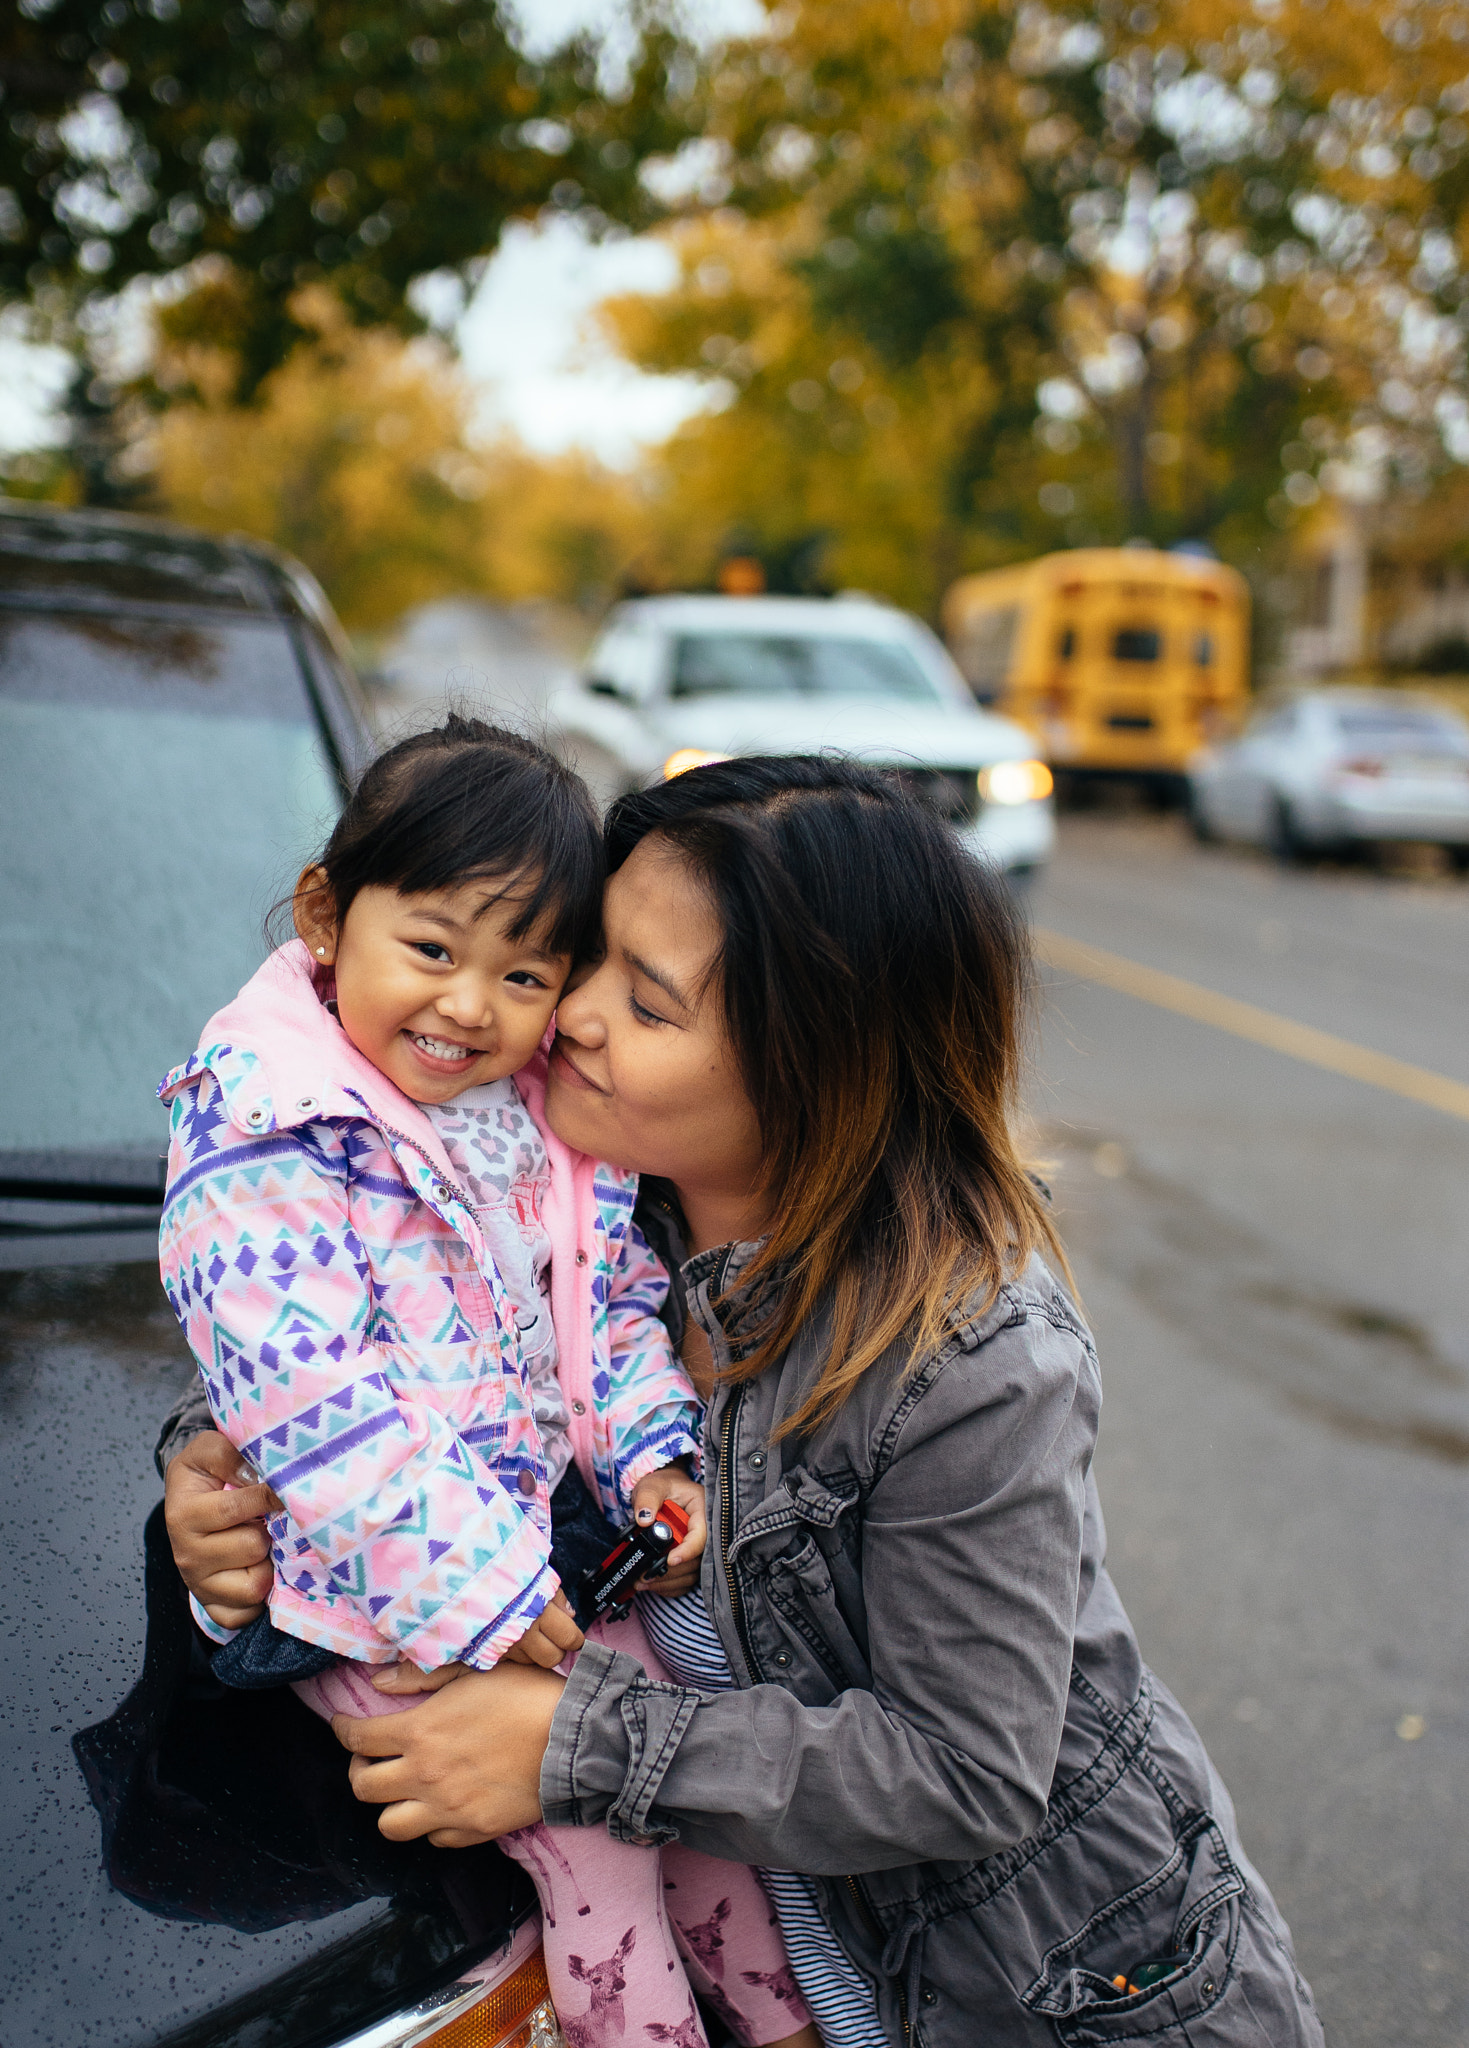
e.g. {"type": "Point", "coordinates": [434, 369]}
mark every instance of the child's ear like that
{"type": "Point", "coordinates": [315, 914]}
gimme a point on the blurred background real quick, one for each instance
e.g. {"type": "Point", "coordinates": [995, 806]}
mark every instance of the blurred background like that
{"type": "Point", "coordinates": [498, 315]}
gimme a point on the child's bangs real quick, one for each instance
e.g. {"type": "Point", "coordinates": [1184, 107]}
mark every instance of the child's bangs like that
{"type": "Point", "coordinates": [551, 910]}
{"type": "Point", "coordinates": [472, 803]}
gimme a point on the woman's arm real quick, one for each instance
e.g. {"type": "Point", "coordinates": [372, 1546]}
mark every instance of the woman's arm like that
{"type": "Point", "coordinates": [971, 1547]}
{"type": "Point", "coordinates": [258, 1260]}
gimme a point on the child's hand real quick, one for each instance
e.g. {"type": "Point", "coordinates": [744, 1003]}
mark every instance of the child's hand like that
{"type": "Point", "coordinates": [405, 1678]}
{"type": "Point", "coordinates": [671, 1482]}
{"type": "Point", "coordinates": [551, 1636]}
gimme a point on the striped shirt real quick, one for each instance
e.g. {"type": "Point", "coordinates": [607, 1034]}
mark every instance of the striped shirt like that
{"type": "Point", "coordinates": [841, 1999]}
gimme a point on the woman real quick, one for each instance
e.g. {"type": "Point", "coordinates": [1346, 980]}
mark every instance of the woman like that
{"type": "Point", "coordinates": [806, 1025]}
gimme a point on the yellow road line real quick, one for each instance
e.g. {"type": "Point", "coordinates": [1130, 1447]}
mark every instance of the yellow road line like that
{"type": "Point", "coordinates": [1244, 1020]}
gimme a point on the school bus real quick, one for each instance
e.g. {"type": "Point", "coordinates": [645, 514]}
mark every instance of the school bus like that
{"type": "Point", "coordinates": [1121, 661]}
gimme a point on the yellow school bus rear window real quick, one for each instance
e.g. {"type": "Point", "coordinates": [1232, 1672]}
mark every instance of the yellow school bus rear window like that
{"type": "Point", "coordinates": [1120, 661]}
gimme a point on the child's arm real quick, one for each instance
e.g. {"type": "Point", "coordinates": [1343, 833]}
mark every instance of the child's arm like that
{"type": "Point", "coordinates": [653, 1414]}
{"type": "Point", "coordinates": [264, 1273]}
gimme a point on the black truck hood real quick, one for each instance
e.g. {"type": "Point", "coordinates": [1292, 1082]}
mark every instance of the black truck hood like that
{"type": "Point", "coordinates": [186, 1866]}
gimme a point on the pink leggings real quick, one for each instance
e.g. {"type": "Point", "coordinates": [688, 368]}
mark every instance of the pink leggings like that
{"type": "Point", "coordinates": [628, 1913]}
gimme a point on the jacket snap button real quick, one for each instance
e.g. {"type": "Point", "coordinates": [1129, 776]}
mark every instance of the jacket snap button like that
{"type": "Point", "coordinates": [757, 1459]}
{"type": "Point", "coordinates": [257, 1116]}
{"type": "Point", "coordinates": [782, 1657]}
{"type": "Point", "coordinates": [441, 1193]}
{"type": "Point", "coordinates": [1208, 1987]}
{"type": "Point", "coordinates": [307, 1102]}
{"type": "Point", "coordinates": [527, 1483]}
{"type": "Point", "coordinates": [581, 1258]}
{"type": "Point", "coordinates": [578, 1407]}
{"type": "Point", "coordinates": [930, 1998]}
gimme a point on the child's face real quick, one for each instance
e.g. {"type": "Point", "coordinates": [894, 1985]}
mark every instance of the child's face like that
{"type": "Point", "coordinates": [432, 989]}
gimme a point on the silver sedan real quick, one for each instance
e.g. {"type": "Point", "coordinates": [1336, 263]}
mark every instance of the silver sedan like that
{"type": "Point", "coordinates": [1333, 769]}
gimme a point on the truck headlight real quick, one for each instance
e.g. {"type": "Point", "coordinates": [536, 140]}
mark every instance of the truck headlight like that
{"type": "Point", "coordinates": [1015, 782]}
{"type": "Point", "coordinates": [685, 758]}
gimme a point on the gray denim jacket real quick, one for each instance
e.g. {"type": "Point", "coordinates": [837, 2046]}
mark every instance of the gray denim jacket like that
{"type": "Point", "coordinates": [941, 1710]}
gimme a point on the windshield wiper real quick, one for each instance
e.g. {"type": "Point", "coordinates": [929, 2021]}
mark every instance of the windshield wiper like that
{"type": "Point", "coordinates": [132, 1180]}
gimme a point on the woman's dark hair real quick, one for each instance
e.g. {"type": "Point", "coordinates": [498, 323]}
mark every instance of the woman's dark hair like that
{"type": "Point", "coordinates": [466, 800]}
{"type": "Point", "coordinates": [874, 979]}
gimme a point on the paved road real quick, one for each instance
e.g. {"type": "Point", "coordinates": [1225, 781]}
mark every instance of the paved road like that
{"type": "Point", "coordinates": [1276, 1261]}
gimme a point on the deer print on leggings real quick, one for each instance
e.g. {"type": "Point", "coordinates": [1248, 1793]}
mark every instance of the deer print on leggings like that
{"type": "Point", "coordinates": [688, 2033]}
{"type": "Point", "coordinates": [706, 1941]}
{"type": "Point", "coordinates": [605, 2017]}
{"type": "Point", "coordinates": [781, 1984]}
{"type": "Point", "coordinates": [531, 1842]}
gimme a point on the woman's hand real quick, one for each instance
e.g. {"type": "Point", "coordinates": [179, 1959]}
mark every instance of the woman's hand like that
{"type": "Point", "coordinates": [671, 1482]}
{"type": "Point", "coordinates": [216, 1527]}
{"type": "Point", "coordinates": [465, 1767]}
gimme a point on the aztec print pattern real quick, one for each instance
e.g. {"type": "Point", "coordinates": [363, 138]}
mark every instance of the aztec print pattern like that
{"type": "Point", "coordinates": [359, 1348]}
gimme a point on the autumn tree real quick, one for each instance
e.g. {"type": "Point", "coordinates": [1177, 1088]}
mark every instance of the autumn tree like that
{"type": "Point", "coordinates": [352, 457]}
{"type": "Point", "coordinates": [358, 455]}
{"type": "Point", "coordinates": [983, 278]}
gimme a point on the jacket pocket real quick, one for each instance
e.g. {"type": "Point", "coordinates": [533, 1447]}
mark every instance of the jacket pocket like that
{"type": "Point", "coordinates": [794, 1557]}
{"type": "Point", "coordinates": [1157, 1960]}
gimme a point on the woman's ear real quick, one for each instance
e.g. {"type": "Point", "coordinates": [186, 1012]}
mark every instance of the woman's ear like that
{"type": "Point", "coordinates": [315, 914]}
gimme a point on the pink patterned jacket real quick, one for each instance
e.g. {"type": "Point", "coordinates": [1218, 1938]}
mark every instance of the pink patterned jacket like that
{"type": "Point", "coordinates": [358, 1346]}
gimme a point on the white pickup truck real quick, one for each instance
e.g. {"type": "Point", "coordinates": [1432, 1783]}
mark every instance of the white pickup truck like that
{"type": "Point", "coordinates": [672, 681]}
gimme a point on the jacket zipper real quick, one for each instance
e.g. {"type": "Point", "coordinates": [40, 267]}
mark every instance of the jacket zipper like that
{"type": "Point", "coordinates": [874, 1928]}
{"type": "Point", "coordinates": [726, 1526]}
{"type": "Point", "coordinates": [440, 1180]}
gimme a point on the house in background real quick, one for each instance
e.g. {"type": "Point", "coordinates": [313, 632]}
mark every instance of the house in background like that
{"type": "Point", "coordinates": [1381, 593]}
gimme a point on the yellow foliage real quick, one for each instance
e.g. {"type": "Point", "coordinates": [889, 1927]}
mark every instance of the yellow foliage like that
{"type": "Point", "coordinates": [563, 527]}
{"type": "Point", "coordinates": [353, 458]}
{"type": "Point", "coordinates": [1204, 374]}
{"type": "Point", "coordinates": [810, 435]}
{"type": "Point", "coordinates": [913, 459]}
{"type": "Point", "coordinates": [356, 457]}
{"type": "Point", "coordinates": [200, 336]}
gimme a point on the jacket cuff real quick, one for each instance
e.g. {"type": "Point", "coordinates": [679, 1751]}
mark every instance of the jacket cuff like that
{"type": "Point", "coordinates": [506, 1630]}
{"type": "Point", "coordinates": [210, 1628]}
{"type": "Point", "coordinates": [614, 1735]}
{"type": "Point", "coordinates": [664, 1447]}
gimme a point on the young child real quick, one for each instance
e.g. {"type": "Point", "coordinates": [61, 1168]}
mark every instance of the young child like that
{"type": "Point", "coordinates": [419, 1317]}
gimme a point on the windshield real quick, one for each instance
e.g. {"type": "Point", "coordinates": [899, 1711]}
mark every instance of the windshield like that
{"type": "Point", "coordinates": [1418, 730]}
{"type": "Point", "coordinates": [161, 781]}
{"type": "Point", "coordinates": [773, 664]}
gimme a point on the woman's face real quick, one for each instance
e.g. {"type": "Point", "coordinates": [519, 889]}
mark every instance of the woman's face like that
{"type": "Point", "coordinates": [642, 1074]}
